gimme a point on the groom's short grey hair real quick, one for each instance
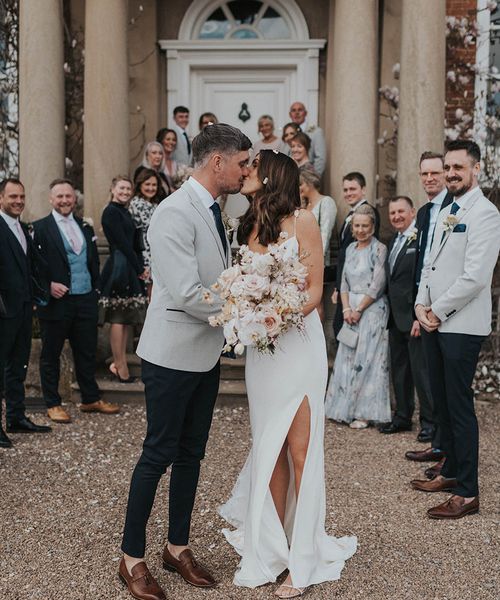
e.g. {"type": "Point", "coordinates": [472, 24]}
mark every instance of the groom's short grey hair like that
{"type": "Point", "coordinates": [218, 138]}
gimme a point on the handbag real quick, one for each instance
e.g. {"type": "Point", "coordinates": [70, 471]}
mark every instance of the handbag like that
{"type": "Point", "coordinates": [348, 336]}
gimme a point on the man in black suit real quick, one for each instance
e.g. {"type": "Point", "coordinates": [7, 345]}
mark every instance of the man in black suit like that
{"type": "Point", "coordinates": [68, 246]}
{"type": "Point", "coordinates": [354, 190]}
{"type": "Point", "coordinates": [17, 267]}
{"type": "Point", "coordinates": [408, 368]}
{"type": "Point", "coordinates": [432, 176]}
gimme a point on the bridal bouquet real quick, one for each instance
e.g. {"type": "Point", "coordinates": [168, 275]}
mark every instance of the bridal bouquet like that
{"type": "Point", "coordinates": [263, 296]}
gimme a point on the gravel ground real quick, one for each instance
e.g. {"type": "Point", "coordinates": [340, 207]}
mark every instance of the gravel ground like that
{"type": "Point", "coordinates": [62, 504]}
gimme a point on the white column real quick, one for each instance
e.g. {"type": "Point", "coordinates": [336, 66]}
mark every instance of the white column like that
{"type": "Point", "coordinates": [352, 93]}
{"type": "Point", "coordinates": [41, 101]}
{"type": "Point", "coordinates": [422, 90]}
{"type": "Point", "coordinates": [106, 127]}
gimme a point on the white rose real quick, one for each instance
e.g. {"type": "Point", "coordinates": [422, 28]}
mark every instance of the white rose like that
{"type": "Point", "coordinates": [255, 286]}
{"type": "Point", "coordinates": [262, 263]}
{"type": "Point", "coordinates": [227, 277]}
{"type": "Point", "coordinates": [270, 319]}
{"type": "Point", "coordinates": [250, 332]}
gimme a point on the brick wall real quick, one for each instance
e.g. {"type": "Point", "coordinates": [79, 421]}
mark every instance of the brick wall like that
{"type": "Point", "coordinates": [459, 94]}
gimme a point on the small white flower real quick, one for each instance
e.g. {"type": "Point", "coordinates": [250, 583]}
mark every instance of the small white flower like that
{"type": "Point", "coordinates": [239, 349]}
{"type": "Point", "coordinates": [266, 179]}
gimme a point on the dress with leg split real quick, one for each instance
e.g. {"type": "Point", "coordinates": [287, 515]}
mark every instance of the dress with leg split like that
{"type": "Point", "coordinates": [277, 385]}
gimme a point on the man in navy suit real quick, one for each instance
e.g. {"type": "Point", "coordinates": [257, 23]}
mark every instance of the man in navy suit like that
{"type": "Point", "coordinates": [432, 176]}
{"type": "Point", "coordinates": [17, 269]}
{"type": "Point", "coordinates": [67, 244]}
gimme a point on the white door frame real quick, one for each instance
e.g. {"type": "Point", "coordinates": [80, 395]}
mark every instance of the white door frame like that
{"type": "Point", "coordinates": [184, 57]}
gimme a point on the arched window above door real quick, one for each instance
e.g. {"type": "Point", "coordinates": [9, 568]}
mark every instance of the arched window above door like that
{"type": "Point", "coordinates": [244, 20]}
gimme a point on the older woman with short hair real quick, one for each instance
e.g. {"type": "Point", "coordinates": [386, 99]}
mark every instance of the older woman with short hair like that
{"type": "Point", "coordinates": [358, 391]}
{"type": "Point", "coordinates": [299, 150]}
{"type": "Point", "coordinates": [268, 141]}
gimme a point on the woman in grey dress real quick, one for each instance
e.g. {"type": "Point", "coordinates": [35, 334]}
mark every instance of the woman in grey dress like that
{"type": "Point", "coordinates": [358, 391]}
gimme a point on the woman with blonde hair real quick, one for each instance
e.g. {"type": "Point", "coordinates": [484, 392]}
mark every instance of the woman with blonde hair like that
{"type": "Point", "coordinates": [154, 158]}
{"type": "Point", "coordinates": [123, 299]}
{"type": "Point", "coordinates": [268, 141]}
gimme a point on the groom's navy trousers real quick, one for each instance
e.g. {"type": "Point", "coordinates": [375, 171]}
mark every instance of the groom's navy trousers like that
{"type": "Point", "coordinates": [179, 407]}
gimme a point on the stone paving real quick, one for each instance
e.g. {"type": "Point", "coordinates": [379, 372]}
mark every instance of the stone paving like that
{"type": "Point", "coordinates": [63, 495]}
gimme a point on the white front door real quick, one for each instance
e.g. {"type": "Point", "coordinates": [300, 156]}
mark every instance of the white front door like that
{"type": "Point", "coordinates": [240, 96]}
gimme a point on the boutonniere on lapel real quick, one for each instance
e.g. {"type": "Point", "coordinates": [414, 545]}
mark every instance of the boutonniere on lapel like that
{"type": "Point", "coordinates": [230, 225]}
{"type": "Point", "coordinates": [31, 230]}
{"type": "Point", "coordinates": [450, 222]}
{"type": "Point", "coordinates": [412, 237]}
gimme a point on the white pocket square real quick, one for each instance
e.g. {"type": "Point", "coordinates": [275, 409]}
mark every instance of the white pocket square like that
{"type": "Point", "coordinates": [94, 238]}
{"type": "Point", "coordinates": [411, 250]}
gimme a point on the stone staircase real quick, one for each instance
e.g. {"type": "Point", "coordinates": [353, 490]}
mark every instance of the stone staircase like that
{"type": "Point", "coordinates": [232, 390]}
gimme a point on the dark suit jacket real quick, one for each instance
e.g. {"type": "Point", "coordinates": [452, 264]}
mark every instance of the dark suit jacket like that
{"type": "Point", "coordinates": [400, 285]}
{"type": "Point", "coordinates": [20, 274]}
{"type": "Point", "coordinates": [346, 238]}
{"type": "Point", "coordinates": [50, 244]}
{"type": "Point", "coordinates": [422, 224]}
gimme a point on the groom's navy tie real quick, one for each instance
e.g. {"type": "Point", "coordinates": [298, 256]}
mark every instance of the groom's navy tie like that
{"type": "Point", "coordinates": [215, 208]}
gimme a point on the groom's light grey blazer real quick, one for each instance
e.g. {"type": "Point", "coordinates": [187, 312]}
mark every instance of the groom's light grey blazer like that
{"type": "Point", "coordinates": [187, 257]}
{"type": "Point", "coordinates": [456, 281]}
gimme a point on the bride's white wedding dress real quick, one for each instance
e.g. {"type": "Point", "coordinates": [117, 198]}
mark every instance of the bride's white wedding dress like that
{"type": "Point", "coordinates": [277, 385]}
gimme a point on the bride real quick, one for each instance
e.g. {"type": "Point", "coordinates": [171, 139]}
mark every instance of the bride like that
{"type": "Point", "coordinates": [278, 503]}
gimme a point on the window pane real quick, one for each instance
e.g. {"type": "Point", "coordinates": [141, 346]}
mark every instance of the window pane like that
{"type": "Point", "coordinates": [244, 11]}
{"type": "Point", "coordinates": [244, 34]}
{"type": "Point", "coordinates": [273, 27]}
{"type": "Point", "coordinates": [216, 26]}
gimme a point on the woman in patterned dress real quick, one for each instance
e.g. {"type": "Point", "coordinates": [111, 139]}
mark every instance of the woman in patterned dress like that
{"type": "Point", "coordinates": [358, 391]}
{"type": "Point", "coordinates": [142, 207]}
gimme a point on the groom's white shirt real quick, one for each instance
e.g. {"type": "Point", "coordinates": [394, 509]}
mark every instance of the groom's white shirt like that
{"type": "Point", "coordinates": [187, 257]}
{"type": "Point", "coordinates": [456, 280]}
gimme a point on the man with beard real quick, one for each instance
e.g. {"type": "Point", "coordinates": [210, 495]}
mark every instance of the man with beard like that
{"type": "Point", "coordinates": [454, 305]}
{"type": "Point", "coordinates": [180, 354]}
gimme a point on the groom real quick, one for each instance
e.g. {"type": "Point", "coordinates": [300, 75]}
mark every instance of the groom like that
{"type": "Point", "coordinates": [180, 354]}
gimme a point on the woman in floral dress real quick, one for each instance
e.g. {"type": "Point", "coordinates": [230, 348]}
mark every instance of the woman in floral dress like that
{"type": "Point", "coordinates": [358, 391]}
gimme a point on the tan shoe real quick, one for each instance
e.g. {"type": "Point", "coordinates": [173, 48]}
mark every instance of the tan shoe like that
{"type": "Point", "coordinates": [101, 406]}
{"type": "Point", "coordinates": [58, 414]}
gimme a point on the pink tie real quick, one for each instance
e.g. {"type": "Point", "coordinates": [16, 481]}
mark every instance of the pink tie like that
{"type": "Point", "coordinates": [73, 236]}
{"type": "Point", "coordinates": [22, 239]}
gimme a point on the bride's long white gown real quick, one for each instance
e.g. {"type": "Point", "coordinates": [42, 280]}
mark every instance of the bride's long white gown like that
{"type": "Point", "coordinates": [276, 385]}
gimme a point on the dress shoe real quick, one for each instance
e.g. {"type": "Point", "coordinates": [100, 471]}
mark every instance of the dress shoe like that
{"type": "Point", "coordinates": [428, 455]}
{"type": "Point", "coordinates": [101, 406]}
{"type": "Point", "coordinates": [188, 568]}
{"type": "Point", "coordinates": [394, 428]}
{"type": "Point", "coordinates": [454, 508]}
{"type": "Point", "coordinates": [58, 414]}
{"type": "Point", "coordinates": [439, 484]}
{"type": "Point", "coordinates": [5, 441]}
{"type": "Point", "coordinates": [425, 435]}
{"type": "Point", "coordinates": [435, 470]}
{"type": "Point", "coordinates": [26, 425]}
{"type": "Point", "coordinates": [141, 584]}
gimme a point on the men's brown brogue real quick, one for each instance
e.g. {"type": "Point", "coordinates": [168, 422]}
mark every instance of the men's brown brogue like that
{"type": "Point", "coordinates": [435, 470]}
{"type": "Point", "coordinates": [454, 508]}
{"type": "Point", "coordinates": [188, 568]}
{"type": "Point", "coordinates": [140, 583]}
{"type": "Point", "coordinates": [427, 455]}
{"type": "Point", "coordinates": [100, 406]}
{"type": "Point", "coordinates": [439, 484]}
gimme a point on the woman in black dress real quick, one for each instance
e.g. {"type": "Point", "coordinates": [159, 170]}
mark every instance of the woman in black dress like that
{"type": "Point", "coordinates": [123, 299]}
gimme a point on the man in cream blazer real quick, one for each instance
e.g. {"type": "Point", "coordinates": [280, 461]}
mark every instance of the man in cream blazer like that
{"type": "Point", "coordinates": [454, 305]}
{"type": "Point", "coordinates": [180, 354]}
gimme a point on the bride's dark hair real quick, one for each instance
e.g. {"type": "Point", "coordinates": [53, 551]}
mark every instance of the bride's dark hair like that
{"type": "Point", "coordinates": [278, 198]}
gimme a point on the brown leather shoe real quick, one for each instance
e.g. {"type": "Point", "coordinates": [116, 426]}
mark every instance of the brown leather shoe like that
{"type": "Point", "coordinates": [141, 584]}
{"type": "Point", "coordinates": [58, 414]}
{"type": "Point", "coordinates": [188, 568]}
{"type": "Point", "coordinates": [427, 455]}
{"type": "Point", "coordinates": [440, 484]}
{"type": "Point", "coordinates": [101, 406]}
{"type": "Point", "coordinates": [454, 508]}
{"type": "Point", "coordinates": [435, 470]}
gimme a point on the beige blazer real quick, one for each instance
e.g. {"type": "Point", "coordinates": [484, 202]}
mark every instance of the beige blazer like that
{"type": "Point", "coordinates": [456, 281]}
{"type": "Point", "coordinates": [187, 257]}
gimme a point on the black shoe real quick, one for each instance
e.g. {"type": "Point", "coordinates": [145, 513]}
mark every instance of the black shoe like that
{"type": "Point", "coordinates": [25, 425]}
{"type": "Point", "coordinates": [425, 435]}
{"type": "Point", "coordinates": [5, 441]}
{"type": "Point", "coordinates": [394, 428]}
